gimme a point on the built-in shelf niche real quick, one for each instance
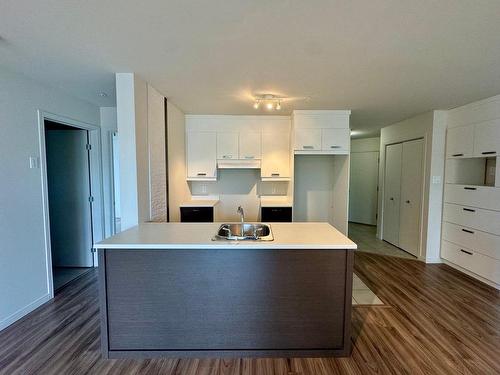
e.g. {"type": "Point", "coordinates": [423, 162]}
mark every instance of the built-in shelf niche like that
{"type": "Point", "coordinates": [472, 171]}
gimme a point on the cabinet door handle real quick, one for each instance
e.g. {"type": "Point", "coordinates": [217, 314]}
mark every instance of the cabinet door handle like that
{"type": "Point", "coordinates": [195, 210]}
{"type": "Point", "coordinates": [275, 174]}
{"type": "Point", "coordinates": [469, 188]}
{"type": "Point", "coordinates": [227, 157]}
{"type": "Point", "coordinates": [469, 210]}
{"type": "Point", "coordinates": [335, 146]}
{"type": "Point", "coordinates": [466, 252]}
{"type": "Point", "coordinates": [457, 155]}
{"type": "Point", "coordinates": [488, 152]}
{"type": "Point", "coordinates": [391, 198]}
{"type": "Point", "coordinates": [201, 174]}
{"type": "Point", "coordinates": [308, 147]}
{"type": "Point", "coordinates": [467, 231]}
{"type": "Point", "coordinates": [408, 201]}
{"type": "Point", "coordinates": [249, 157]}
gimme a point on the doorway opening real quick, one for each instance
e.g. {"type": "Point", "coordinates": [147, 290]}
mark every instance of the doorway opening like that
{"type": "Point", "coordinates": [69, 192]}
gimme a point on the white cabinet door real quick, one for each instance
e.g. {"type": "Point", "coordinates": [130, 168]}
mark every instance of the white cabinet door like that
{"type": "Point", "coordinates": [275, 155]}
{"type": "Point", "coordinates": [250, 145]}
{"type": "Point", "coordinates": [392, 191]}
{"type": "Point", "coordinates": [227, 145]}
{"type": "Point", "coordinates": [411, 196]}
{"type": "Point", "coordinates": [307, 139]}
{"type": "Point", "coordinates": [487, 139]}
{"type": "Point", "coordinates": [459, 142]}
{"type": "Point", "coordinates": [201, 155]}
{"type": "Point", "coordinates": [335, 140]}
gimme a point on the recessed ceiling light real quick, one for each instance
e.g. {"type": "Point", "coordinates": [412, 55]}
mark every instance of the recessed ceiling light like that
{"type": "Point", "coordinates": [102, 94]}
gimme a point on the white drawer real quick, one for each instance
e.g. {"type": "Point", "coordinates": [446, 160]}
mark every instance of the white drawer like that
{"type": "Point", "coordinates": [476, 196]}
{"type": "Point", "coordinates": [481, 265]}
{"type": "Point", "coordinates": [482, 242]}
{"type": "Point", "coordinates": [477, 218]}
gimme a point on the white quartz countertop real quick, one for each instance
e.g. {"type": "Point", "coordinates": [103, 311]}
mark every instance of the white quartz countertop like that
{"type": "Point", "coordinates": [199, 203]}
{"type": "Point", "coordinates": [199, 236]}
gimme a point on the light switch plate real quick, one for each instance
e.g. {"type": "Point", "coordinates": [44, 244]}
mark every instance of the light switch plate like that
{"type": "Point", "coordinates": [34, 162]}
{"type": "Point", "coordinates": [436, 179]}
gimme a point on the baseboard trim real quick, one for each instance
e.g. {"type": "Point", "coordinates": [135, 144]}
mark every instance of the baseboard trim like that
{"type": "Point", "coordinates": [472, 274]}
{"type": "Point", "coordinates": [23, 312]}
{"type": "Point", "coordinates": [433, 261]}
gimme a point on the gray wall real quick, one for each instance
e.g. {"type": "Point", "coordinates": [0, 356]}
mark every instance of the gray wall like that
{"type": "Point", "coordinates": [23, 265]}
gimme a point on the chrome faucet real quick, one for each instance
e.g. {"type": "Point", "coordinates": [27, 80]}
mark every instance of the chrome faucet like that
{"type": "Point", "coordinates": [242, 218]}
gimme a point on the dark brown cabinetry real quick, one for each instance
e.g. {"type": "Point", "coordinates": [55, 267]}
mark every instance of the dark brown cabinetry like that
{"type": "Point", "coordinates": [276, 214]}
{"type": "Point", "coordinates": [197, 214]}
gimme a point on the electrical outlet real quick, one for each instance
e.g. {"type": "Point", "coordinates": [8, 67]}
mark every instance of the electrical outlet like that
{"type": "Point", "coordinates": [204, 188]}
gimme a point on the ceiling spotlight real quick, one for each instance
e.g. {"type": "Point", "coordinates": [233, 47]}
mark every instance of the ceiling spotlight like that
{"type": "Point", "coordinates": [269, 101]}
{"type": "Point", "coordinates": [270, 106]}
{"type": "Point", "coordinates": [278, 105]}
{"type": "Point", "coordinates": [256, 104]}
{"type": "Point", "coordinates": [102, 94]}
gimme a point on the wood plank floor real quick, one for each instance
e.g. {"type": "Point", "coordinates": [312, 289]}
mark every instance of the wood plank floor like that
{"type": "Point", "coordinates": [435, 321]}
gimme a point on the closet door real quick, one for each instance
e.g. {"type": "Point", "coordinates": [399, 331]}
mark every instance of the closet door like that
{"type": "Point", "coordinates": [392, 189]}
{"type": "Point", "coordinates": [411, 196]}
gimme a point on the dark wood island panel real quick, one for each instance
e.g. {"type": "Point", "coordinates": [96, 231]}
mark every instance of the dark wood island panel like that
{"type": "Point", "coordinates": [225, 302]}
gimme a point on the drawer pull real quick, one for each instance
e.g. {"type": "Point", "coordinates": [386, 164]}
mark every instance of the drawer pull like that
{"type": "Point", "coordinates": [275, 174]}
{"type": "Point", "coordinates": [335, 146]}
{"type": "Point", "coordinates": [201, 174]}
{"type": "Point", "coordinates": [468, 231]}
{"type": "Point", "coordinates": [308, 147]}
{"type": "Point", "coordinates": [227, 157]}
{"type": "Point", "coordinates": [488, 152]}
{"type": "Point", "coordinates": [466, 252]}
{"type": "Point", "coordinates": [470, 188]}
{"type": "Point", "coordinates": [249, 157]}
{"type": "Point", "coordinates": [195, 210]}
{"type": "Point", "coordinates": [469, 210]}
{"type": "Point", "coordinates": [457, 155]}
{"type": "Point", "coordinates": [275, 210]}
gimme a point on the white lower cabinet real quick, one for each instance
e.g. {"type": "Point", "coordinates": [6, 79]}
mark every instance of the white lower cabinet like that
{"type": "Point", "coordinates": [471, 260]}
{"type": "Point", "coordinates": [469, 195]}
{"type": "Point", "coordinates": [201, 155]}
{"type": "Point", "coordinates": [482, 242]}
{"type": "Point", "coordinates": [275, 156]}
{"type": "Point", "coordinates": [472, 217]}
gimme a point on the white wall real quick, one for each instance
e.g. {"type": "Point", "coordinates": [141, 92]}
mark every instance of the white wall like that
{"type": "Point", "coordinates": [365, 145]}
{"type": "Point", "coordinates": [132, 115]}
{"type": "Point", "coordinates": [431, 127]}
{"type": "Point", "coordinates": [108, 126]}
{"type": "Point", "coordinates": [23, 265]}
{"type": "Point", "coordinates": [177, 184]}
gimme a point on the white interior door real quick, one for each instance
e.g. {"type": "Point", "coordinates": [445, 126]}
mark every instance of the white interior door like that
{"type": "Point", "coordinates": [68, 180]}
{"type": "Point", "coordinates": [363, 187]}
{"type": "Point", "coordinates": [411, 196]}
{"type": "Point", "coordinates": [392, 191]}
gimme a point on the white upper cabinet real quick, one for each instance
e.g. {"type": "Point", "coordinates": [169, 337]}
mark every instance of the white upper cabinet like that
{"type": "Point", "coordinates": [275, 156]}
{"type": "Point", "coordinates": [201, 155]}
{"type": "Point", "coordinates": [321, 132]}
{"type": "Point", "coordinates": [227, 145]}
{"type": "Point", "coordinates": [249, 145]}
{"type": "Point", "coordinates": [307, 139]}
{"type": "Point", "coordinates": [459, 142]}
{"type": "Point", "coordinates": [487, 138]}
{"type": "Point", "coordinates": [336, 140]}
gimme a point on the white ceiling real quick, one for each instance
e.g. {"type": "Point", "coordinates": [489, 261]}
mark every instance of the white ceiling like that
{"type": "Point", "coordinates": [384, 59]}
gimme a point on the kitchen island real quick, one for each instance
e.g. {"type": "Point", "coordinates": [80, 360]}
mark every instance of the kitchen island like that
{"type": "Point", "coordinates": [169, 289]}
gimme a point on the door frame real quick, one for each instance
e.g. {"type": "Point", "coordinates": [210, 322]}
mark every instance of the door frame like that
{"type": "Point", "coordinates": [95, 166]}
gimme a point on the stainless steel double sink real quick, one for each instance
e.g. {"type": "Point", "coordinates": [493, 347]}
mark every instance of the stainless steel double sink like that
{"type": "Point", "coordinates": [244, 232]}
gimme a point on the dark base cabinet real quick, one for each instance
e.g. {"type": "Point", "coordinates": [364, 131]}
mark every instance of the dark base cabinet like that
{"type": "Point", "coordinates": [201, 302]}
{"type": "Point", "coordinates": [197, 214]}
{"type": "Point", "coordinates": [276, 214]}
